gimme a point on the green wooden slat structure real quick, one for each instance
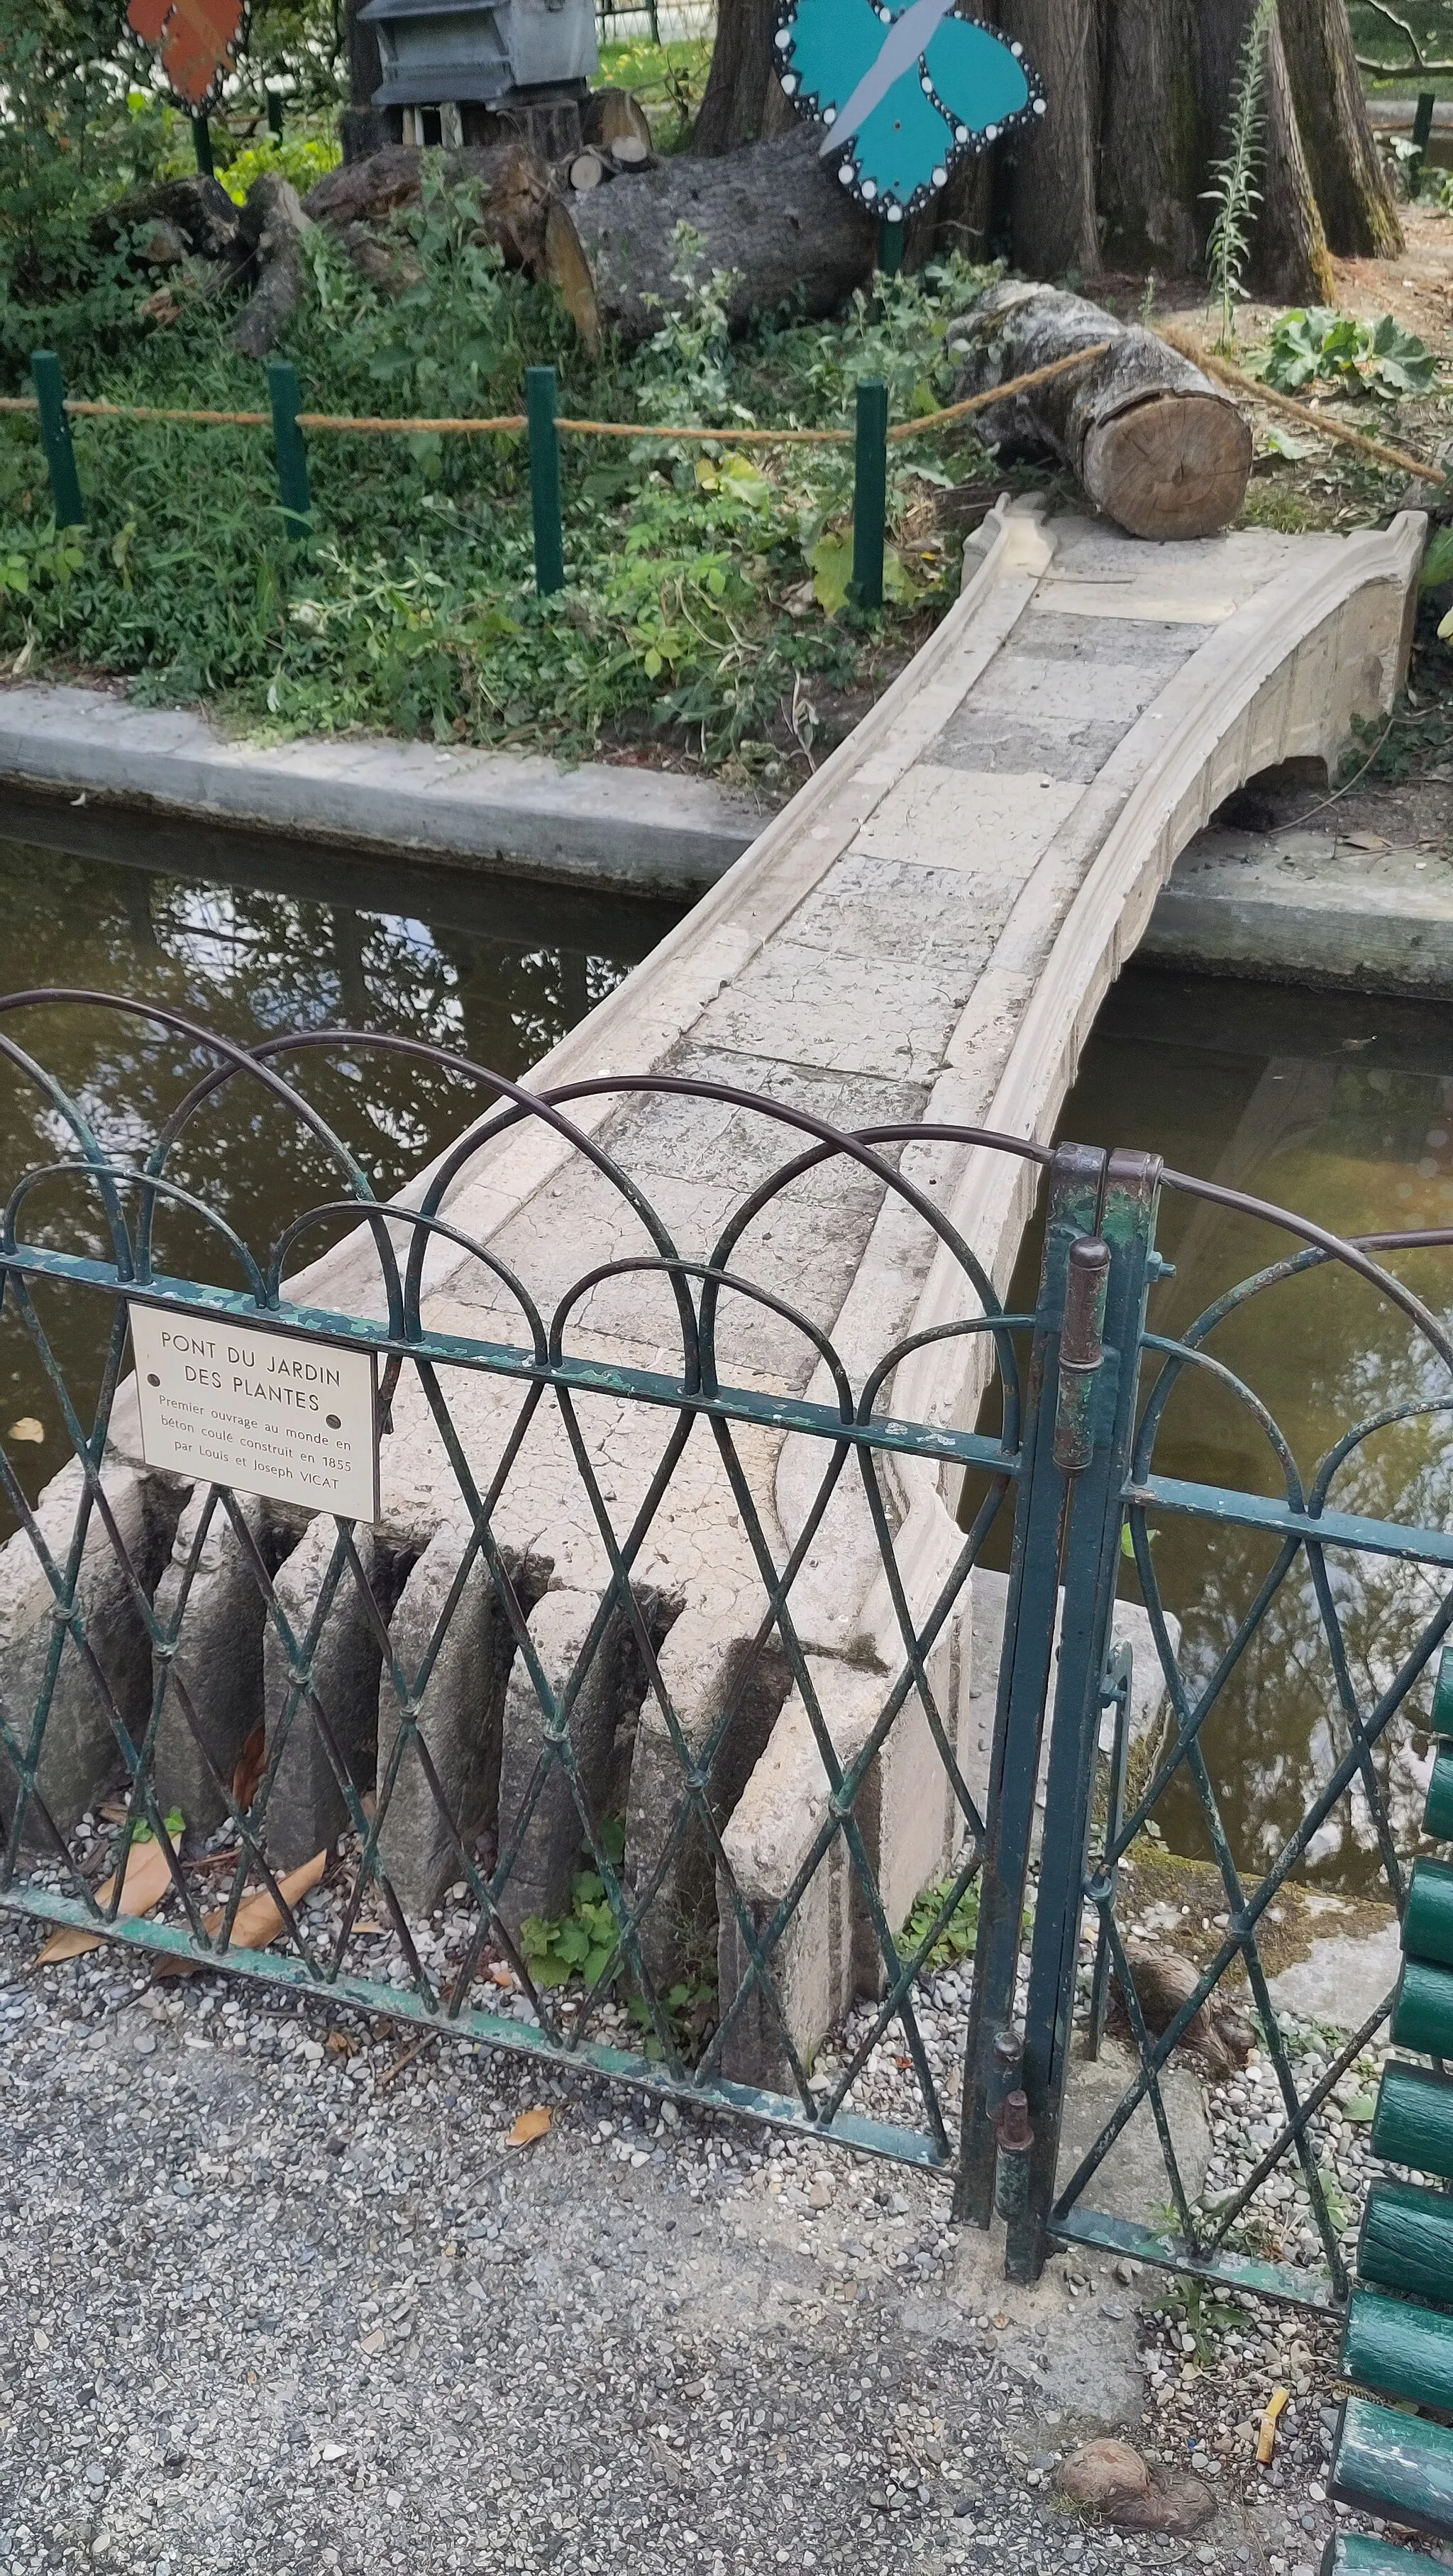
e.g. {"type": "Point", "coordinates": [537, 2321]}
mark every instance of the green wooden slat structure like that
{"type": "Point", "coordinates": [1407, 2241]}
{"type": "Point", "coordinates": [1422, 2016]}
{"type": "Point", "coordinates": [1438, 1813]}
{"type": "Point", "coordinates": [1428, 1914]}
{"type": "Point", "coordinates": [1348, 2554]}
{"type": "Point", "coordinates": [1397, 2467]}
{"type": "Point", "coordinates": [1399, 2349]}
{"type": "Point", "coordinates": [1413, 2122]}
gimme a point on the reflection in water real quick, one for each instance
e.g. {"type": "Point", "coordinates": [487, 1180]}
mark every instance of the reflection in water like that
{"type": "Point", "coordinates": [248, 939]}
{"type": "Point", "coordinates": [1342, 1110]}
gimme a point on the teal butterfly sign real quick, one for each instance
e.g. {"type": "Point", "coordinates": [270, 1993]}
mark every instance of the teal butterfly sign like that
{"type": "Point", "coordinates": [904, 93]}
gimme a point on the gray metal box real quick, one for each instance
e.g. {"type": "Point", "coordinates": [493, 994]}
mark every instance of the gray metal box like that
{"type": "Point", "coordinates": [435, 52]}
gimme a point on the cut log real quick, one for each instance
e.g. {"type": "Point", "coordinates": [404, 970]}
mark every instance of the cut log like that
{"type": "Point", "coordinates": [1153, 442]}
{"type": "Point", "coordinates": [586, 171]}
{"type": "Point", "coordinates": [628, 152]}
{"type": "Point", "coordinates": [770, 216]}
{"type": "Point", "coordinates": [568, 270]}
{"type": "Point", "coordinates": [272, 225]}
{"type": "Point", "coordinates": [513, 182]}
{"type": "Point", "coordinates": [194, 211]}
{"type": "Point", "coordinates": [612, 116]}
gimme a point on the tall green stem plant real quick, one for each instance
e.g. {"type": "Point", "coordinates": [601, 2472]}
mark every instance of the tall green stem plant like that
{"type": "Point", "coordinates": [1235, 193]}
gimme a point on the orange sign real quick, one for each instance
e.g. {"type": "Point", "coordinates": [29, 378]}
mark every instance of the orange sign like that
{"type": "Point", "coordinates": [197, 39]}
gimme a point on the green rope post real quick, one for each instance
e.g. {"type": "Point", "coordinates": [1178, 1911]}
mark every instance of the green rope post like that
{"type": "Point", "coordinates": [202, 146]}
{"type": "Point", "coordinates": [870, 494]}
{"type": "Point", "coordinates": [890, 248]}
{"type": "Point", "coordinates": [545, 479]}
{"type": "Point", "coordinates": [1422, 136]}
{"type": "Point", "coordinates": [55, 434]}
{"type": "Point", "coordinates": [292, 454]}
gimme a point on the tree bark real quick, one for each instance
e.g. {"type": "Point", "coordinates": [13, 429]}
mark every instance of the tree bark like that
{"type": "Point", "coordinates": [272, 224]}
{"type": "Point", "coordinates": [740, 80]}
{"type": "Point", "coordinates": [363, 127]}
{"type": "Point", "coordinates": [1289, 255]}
{"type": "Point", "coordinates": [1347, 174]}
{"type": "Point", "coordinates": [770, 215]}
{"type": "Point", "coordinates": [1053, 194]}
{"type": "Point", "coordinates": [1154, 443]}
{"type": "Point", "coordinates": [1156, 138]}
{"type": "Point", "coordinates": [514, 194]}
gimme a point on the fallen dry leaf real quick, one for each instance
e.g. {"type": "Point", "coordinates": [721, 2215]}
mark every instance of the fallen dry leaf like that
{"type": "Point", "coordinates": [27, 1428]}
{"type": "Point", "coordinates": [259, 1917]}
{"type": "Point", "coordinates": [528, 2127]}
{"type": "Point", "coordinates": [252, 1762]}
{"type": "Point", "coordinates": [145, 1880]}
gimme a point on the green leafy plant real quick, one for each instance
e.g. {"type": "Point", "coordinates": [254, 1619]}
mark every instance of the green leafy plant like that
{"type": "Point", "coordinates": [174, 1821]}
{"type": "Point", "coordinates": [959, 1934]}
{"type": "Point", "coordinates": [1438, 560]}
{"type": "Point", "coordinates": [1234, 193]}
{"type": "Point", "coordinates": [302, 158]}
{"type": "Point", "coordinates": [1320, 345]}
{"type": "Point", "coordinates": [582, 1944]}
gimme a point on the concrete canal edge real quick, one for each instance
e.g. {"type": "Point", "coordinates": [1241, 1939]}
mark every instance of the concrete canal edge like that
{"type": "Point", "coordinates": [1286, 907]}
{"type": "Point", "coordinates": [637, 831]}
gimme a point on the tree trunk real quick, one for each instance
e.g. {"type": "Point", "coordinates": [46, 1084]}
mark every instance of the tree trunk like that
{"type": "Point", "coordinates": [1152, 441]}
{"type": "Point", "coordinates": [1347, 174]}
{"type": "Point", "coordinates": [514, 194]}
{"type": "Point", "coordinates": [772, 216]}
{"type": "Point", "coordinates": [1053, 197]}
{"type": "Point", "coordinates": [1289, 255]}
{"type": "Point", "coordinates": [1156, 140]}
{"type": "Point", "coordinates": [744, 101]}
{"type": "Point", "coordinates": [364, 127]}
{"type": "Point", "coordinates": [1139, 94]}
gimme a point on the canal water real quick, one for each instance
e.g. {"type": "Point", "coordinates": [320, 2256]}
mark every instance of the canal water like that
{"type": "Point", "coordinates": [1338, 1107]}
{"type": "Point", "coordinates": [250, 937]}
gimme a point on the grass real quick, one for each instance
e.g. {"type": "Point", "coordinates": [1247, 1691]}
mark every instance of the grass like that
{"type": "Point", "coordinates": [689, 622]}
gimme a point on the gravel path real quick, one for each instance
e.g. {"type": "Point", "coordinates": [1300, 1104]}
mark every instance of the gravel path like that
{"type": "Point", "coordinates": [265, 2309]}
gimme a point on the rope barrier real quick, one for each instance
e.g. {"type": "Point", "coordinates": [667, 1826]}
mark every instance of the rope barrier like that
{"type": "Point", "coordinates": [734, 436]}
{"type": "Point", "coordinates": [1189, 347]}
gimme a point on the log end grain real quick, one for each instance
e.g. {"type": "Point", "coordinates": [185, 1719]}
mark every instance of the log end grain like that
{"type": "Point", "coordinates": [1174, 466]}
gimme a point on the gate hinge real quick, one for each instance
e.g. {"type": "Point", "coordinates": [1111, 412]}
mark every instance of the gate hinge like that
{"type": "Point", "coordinates": [1081, 1354]}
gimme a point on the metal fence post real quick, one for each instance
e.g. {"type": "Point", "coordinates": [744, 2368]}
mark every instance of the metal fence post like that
{"type": "Point", "coordinates": [202, 146]}
{"type": "Point", "coordinates": [890, 248]}
{"type": "Point", "coordinates": [55, 436]}
{"type": "Point", "coordinates": [545, 479]}
{"type": "Point", "coordinates": [870, 494]}
{"type": "Point", "coordinates": [292, 453]}
{"type": "Point", "coordinates": [1422, 136]}
{"type": "Point", "coordinates": [1097, 1397]}
{"type": "Point", "coordinates": [1026, 1662]}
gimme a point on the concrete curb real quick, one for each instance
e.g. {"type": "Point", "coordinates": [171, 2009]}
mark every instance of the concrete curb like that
{"type": "Point", "coordinates": [1301, 907]}
{"type": "Point", "coordinates": [636, 830]}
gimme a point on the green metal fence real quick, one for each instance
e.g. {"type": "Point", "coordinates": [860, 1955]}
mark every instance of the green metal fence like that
{"type": "Point", "coordinates": [556, 1861]}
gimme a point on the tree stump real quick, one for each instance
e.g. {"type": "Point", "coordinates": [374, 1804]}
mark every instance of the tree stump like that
{"type": "Point", "coordinates": [1154, 443]}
